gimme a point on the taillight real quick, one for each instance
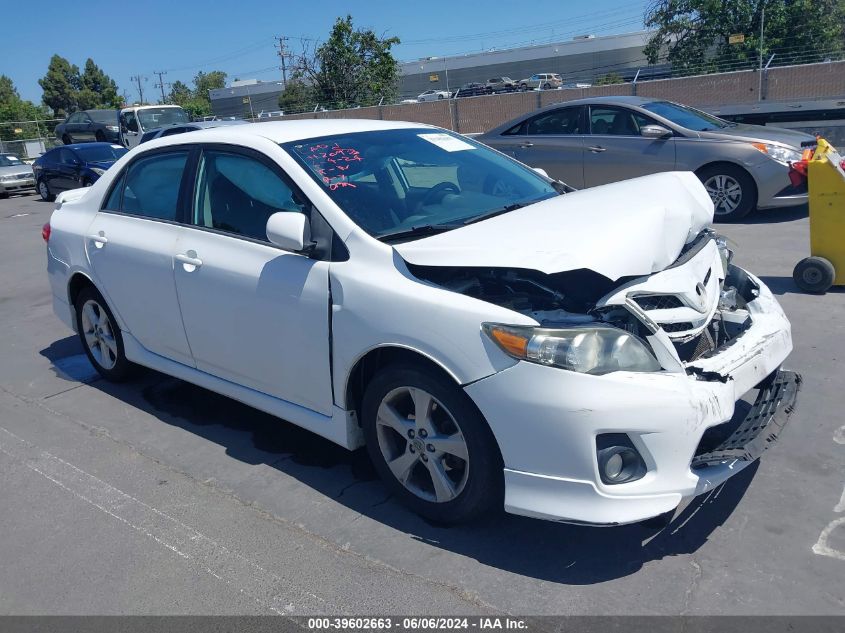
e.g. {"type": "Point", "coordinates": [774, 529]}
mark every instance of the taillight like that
{"type": "Point", "coordinates": [45, 232]}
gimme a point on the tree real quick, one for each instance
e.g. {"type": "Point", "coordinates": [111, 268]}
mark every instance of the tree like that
{"type": "Point", "coordinates": [8, 92]}
{"type": "Point", "coordinates": [15, 114]}
{"type": "Point", "coordinates": [180, 93]}
{"type": "Point", "coordinates": [352, 68]}
{"type": "Point", "coordinates": [609, 79]}
{"type": "Point", "coordinates": [195, 101]}
{"type": "Point", "coordinates": [296, 97]}
{"type": "Point", "coordinates": [60, 85]}
{"type": "Point", "coordinates": [203, 82]}
{"type": "Point", "coordinates": [693, 35]}
{"type": "Point", "coordinates": [99, 88]}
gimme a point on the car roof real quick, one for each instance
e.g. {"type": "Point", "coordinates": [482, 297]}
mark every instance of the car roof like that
{"type": "Point", "coordinates": [84, 145]}
{"type": "Point", "coordinates": [285, 131]}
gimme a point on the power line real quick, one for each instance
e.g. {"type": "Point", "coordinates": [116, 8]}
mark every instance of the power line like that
{"type": "Point", "coordinates": [160, 83]}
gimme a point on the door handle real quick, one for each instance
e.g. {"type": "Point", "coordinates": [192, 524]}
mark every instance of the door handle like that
{"type": "Point", "coordinates": [100, 239]}
{"type": "Point", "coordinates": [526, 145]}
{"type": "Point", "coordinates": [189, 259]}
{"type": "Point", "coordinates": [596, 149]}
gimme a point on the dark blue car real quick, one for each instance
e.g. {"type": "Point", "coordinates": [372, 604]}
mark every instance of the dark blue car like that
{"type": "Point", "coordinates": [73, 166]}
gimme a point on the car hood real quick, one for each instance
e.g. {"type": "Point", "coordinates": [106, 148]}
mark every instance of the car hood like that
{"type": "Point", "coordinates": [761, 133]}
{"type": "Point", "coordinates": [630, 228]}
{"type": "Point", "coordinates": [14, 170]}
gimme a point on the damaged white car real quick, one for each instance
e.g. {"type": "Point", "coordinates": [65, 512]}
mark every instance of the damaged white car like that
{"type": "Point", "coordinates": [493, 340]}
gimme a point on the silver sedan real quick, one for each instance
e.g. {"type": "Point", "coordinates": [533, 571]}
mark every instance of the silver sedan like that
{"type": "Point", "coordinates": [591, 142]}
{"type": "Point", "coordinates": [15, 175]}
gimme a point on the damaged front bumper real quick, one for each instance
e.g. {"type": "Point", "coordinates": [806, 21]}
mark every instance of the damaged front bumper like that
{"type": "Point", "coordinates": [683, 424]}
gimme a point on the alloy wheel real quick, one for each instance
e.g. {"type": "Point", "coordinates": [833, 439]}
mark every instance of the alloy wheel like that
{"type": "Point", "coordinates": [43, 190]}
{"type": "Point", "coordinates": [725, 192]}
{"type": "Point", "coordinates": [422, 444]}
{"type": "Point", "coordinates": [98, 331]}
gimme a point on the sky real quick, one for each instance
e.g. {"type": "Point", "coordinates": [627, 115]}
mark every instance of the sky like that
{"type": "Point", "coordinates": [183, 37]}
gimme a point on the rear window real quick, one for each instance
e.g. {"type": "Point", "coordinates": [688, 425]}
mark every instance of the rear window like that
{"type": "Point", "coordinates": [103, 116]}
{"type": "Point", "coordinates": [98, 153]}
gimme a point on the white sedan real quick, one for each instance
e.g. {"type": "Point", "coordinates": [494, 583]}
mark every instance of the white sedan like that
{"type": "Point", "coordinates": [434, 95]}
{"type": "Point", "coordinates": [493, 340]}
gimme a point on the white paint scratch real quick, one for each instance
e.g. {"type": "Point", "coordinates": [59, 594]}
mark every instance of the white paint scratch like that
{"type": "Point", "coordinates": [266, 588]}
{"type": "Point", "coordinates": [822, 548]}
{"type": "Point", "coordinates": [839, 435]}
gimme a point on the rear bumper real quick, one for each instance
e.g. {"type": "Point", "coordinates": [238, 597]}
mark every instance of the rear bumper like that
{"type": "Point", "coordinates": [546, 422]}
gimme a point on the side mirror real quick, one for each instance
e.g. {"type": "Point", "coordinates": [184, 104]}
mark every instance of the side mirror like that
{"type": "Point", "coordinates": [541, 171]}
{"type": "Point", "coordinates": [655, 131]}
{"type": "Point", "coordinates": [289, 230]}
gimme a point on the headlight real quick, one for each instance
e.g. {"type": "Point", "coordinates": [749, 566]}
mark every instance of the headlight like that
{"type": "Point", "coordinates": [112, 128]}
{"type": "Point", "coordinates": [7, 178]}
{"type": "Point", "coordinates": [779, 153]}
{"type": "Point", "coordinates": [589, 350]}
{"type": "Point", "coordinates": [98, 171]}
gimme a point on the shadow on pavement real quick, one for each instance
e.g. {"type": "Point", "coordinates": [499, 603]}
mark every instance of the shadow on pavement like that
{"type": "Point", "coordinates": [556, 552]}
{"type": "Point", "coordinates": [773, 216]}
{"type": "Point", "coordinates": [786, 285]}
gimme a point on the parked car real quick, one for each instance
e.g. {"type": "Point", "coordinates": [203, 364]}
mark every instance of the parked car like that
{"type": "Point", "coordinates": [89, 126]}
{"type": "Point", "coordinates": [73, 166]}
{"type": "Point", "coordinates": [15, 175]}
{"type": "Point", "coordinates": [136, 120]}
{"type": "Point", "coordinates": [502, 84]}
{"type": "Point", "coordinates": [591, 142]}
{"type": "Point", "coordinates": [474, 89]}
{"type": "Point", "coordinates": [491, 341]}
{"type": "Point", "coordinates": [541, 81]}
{"type": "Point", "coordinates": [434, 95]}
{"type": "Point", "coordinates": [180, 128]}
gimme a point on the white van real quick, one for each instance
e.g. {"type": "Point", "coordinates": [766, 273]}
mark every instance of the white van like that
{"type": "Point", "coordinates": [135, 120]}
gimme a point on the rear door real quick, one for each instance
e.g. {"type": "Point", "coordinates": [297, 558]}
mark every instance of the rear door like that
{"type": "Point", "coordinates": [553, 141]}
{"type": "Point", "coordinates": [255, 314]}
{"type": "Point", "coordinates": [131, 243]}
{"type": "Point", "coordinates": [615, 150]}
{"type": "Point", "coordinates": [64, 173]}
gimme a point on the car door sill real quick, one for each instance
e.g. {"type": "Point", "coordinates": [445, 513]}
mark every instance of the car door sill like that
{"type": "Point", "coordinates": [340, 427]}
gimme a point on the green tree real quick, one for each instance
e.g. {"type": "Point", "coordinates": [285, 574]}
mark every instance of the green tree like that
{"type": "Point", "coordinates": [60, 85]}
{"type": "Point", "coordinates": [296, 97]}
{"type": "Point", "coordinates": [15, 114]}
{"type": "Point", "coordinates": [609, 79]}
{"type": "Point", "coordinates": [352, 68]}
{"type": "Point", "coordinates": [180, 93]}
{"type": "Point", "coordinates": [98, 87]}
{"type": "Point", "coordinates": [8, 92]}
{"type": "Point", "coordinates": [693, 35]}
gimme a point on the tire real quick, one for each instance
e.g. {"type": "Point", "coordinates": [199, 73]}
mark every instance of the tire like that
{"type": "Point", "coordinates": [814, 274]}
{"type": "Point", "coordinates": [100, 137]}
{"type": "Point", "coordinates": [87, 183]}
{"type": "Point", "coordinates": [547, 86]}
{"type": "Point", "coordinates": [732, 190]}
{"type": "Point", "coordinates": [44, 191]}
{"type": "Point", "coordinates": [96, 326]}
{"type": "Point", "coordinates": [464, 458]}
{"type": "Point", "coordinates": [439, 97]}
{"type": "Point", "coordinates": [4, 195]}
{"type": "Point", "coordinates": [66, 140]}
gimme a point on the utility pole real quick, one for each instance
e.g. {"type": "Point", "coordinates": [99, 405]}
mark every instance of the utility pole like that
{"type": "Point", "coordinates": [762, 23]}
{"type": "Point", "coordinates": [160, 83]}
{"type": "Point", "coordinates": [283, 55]}
{"type": "Point", "coordinates": [138, 79]}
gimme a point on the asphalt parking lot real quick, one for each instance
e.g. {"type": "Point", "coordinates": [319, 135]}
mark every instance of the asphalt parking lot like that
{"type": "Point", "coordinates": [159, 497]}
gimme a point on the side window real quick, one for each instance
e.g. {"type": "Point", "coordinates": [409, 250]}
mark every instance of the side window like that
{"type": "Point", "coordinates": [562, 121]}
{"type": "Point", "coordinates": [67, 157]}
{"type": "Point", "coordinates": [238, 194]}
{"type": "Point", "coordinates": [131, 121]}
{"type": "Point", "coordinates": [113, 202]}
{"type": "Point", "coordinates": [151, 186]}
{"type": "Point", "coordinates": [75, 118]}
{"type": "Point", "coordinates": [616, 121]}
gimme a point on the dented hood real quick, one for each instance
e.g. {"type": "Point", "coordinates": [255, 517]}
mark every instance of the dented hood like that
{"type": "Point", "coordinates": [629, 228]}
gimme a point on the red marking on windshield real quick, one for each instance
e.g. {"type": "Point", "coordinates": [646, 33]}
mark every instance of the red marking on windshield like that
{"type": "Point", "coordinates": [330, 163]}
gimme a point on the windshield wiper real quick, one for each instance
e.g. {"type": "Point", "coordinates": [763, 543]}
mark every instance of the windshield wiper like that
{"type": "Point", "coordinates": [418, 231]}
{"type": "Point", "coordinates": [494, 213]}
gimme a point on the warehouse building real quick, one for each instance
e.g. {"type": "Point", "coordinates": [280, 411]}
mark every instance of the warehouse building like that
{"type": "Point", "coordinates": [247, 98]}
{"type": "Point", "coordinates": [580, 60]}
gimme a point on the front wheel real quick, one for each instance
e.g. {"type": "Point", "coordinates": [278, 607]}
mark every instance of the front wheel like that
{"type": "Point", "coordinates": [101, 336]}
{"type": "Point", "coordinates": [814, 274]}
{"type": "Point", "coordinates": [732, 191]}
{"type": "Point", "coordinates": [44, 191]}
{"type": "Point", "coordinates": [430, 445]}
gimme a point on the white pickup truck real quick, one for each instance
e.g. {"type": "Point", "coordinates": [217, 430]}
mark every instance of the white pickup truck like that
{"type": "Point", "coordinates": [135, 120]}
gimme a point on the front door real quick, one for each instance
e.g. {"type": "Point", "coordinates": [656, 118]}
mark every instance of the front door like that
{"type": "Point", "coordinates": [616, 151]}
{"type": "Point", "coordinates": [254, 314]}
{"type": "Point", "coordinates": [130, 132]}
{"type": "Point", "coordinates": [130, 245]}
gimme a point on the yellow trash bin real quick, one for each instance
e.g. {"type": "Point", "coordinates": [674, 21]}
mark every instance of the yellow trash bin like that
{"type": "Point", "coordinates": [825, 171]}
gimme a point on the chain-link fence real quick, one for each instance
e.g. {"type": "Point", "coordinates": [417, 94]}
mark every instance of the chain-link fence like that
{"type": "Point", "coordinates": [28, 139]}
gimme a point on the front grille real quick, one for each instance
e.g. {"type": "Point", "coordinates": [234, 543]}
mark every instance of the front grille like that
{"type": "Point", "coordinates": [677, 327]}
{"type": "Point", "coordinates": [658, 302]}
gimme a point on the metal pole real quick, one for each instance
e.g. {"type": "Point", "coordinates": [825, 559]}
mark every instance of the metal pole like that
{"type": "Point", "coordinates": [762, 23]}
{"type": "Point", "coordinates": [446, 67]}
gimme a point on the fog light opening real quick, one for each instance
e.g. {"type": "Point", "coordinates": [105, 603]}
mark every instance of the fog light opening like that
{"type": "Point", "coordinates": [618, 460]}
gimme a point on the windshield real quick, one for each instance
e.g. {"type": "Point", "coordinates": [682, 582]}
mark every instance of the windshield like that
{"type": "Point", "coordinates": [9, 161]}
{"type": "Point", "coordinates": [98, 153]}
{"type": "Point", "coordinates": [156, 117]}
{"type": "Point", "coordinates": [103, 116]}
{"type": "Point", "coordinates": [395, 181]}
{"type": "Point", "coordinates": [687, 117]}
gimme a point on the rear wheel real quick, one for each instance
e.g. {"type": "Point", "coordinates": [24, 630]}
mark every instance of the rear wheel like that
{"type": "Point", "coordinates": [101, 138]}
{"type": "Point", "coordinates": [814, 274]}
{"type": "Point", "coordinates": [66, 140]}
{"type": "Point", "coordinates": [732, 191]}
{"type": "Point", "coordinates": [547, 86]}
{"type": "Point", "coordinates": [100, 336]}
{"type": "Point", "coordinates": [44, 191]}
{"type": "Point", "coordinates": [430, 444]}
